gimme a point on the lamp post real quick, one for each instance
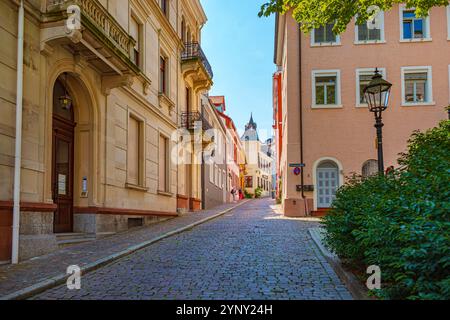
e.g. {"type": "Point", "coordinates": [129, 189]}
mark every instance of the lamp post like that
{"type": "Point", "coordinates": [377, 94]}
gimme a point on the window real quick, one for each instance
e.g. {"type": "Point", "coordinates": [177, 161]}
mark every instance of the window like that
{"type": "Point", "coordinates": [411, 27]}
{"type": "Point", "coordinates": [324, 35]}
{"type": "Point", "coordinates": [448, 22]}
{"type": "Point", "coordinates": [164, 165]}
{"type": "Point", "coordinates": [135, 152]}
{"type": "Point", "coordinates": [211, 173]}
{"type": "Point", "coordinates": [417, 85]}
{"type": "Point", "coordinates": [183, 30]}
{"type": "Point", "coordinates": [220, 179]}
{"type": "Point", "coordinates": [188, 99]}
{"type": "Point", "coordinates": [135, 33]}
{"type": "Point", "coordinates": [375, 33]}
{"type": "Point", "coordinates": [363, 78]}
{"type": "Point", "coordinates": [216, 173]}
{"type": "Point", "coordinates": [163, 75]}
{"type": "Point", "coordinates": [326, 89]}
{"type": "Point", "coordinates": [165, 7]}
{"type": "Point", "coordinates": [249, 182]}
{"type": "Point", "coordinates": [224, 177]}
{"type": "Point", "coordinates": [370, 168]}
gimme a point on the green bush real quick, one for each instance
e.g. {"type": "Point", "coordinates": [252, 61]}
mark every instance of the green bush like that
{"type": "Point", "coordinates": [248, 195]}
{"type": "Point", "coordinates": [258, 193]}
{"type": "Point", "coordinates": [400, 222]}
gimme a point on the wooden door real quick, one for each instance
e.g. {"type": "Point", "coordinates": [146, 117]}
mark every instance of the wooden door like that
{"type": "Point", "coordinates": [62, 174]}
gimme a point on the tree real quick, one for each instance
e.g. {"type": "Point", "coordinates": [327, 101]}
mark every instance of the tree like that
{"type": "Point", "coordinates": [312, 14]}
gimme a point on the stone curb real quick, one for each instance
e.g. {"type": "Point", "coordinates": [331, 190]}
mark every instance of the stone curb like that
{"type": "Point", "coordinates": [62, 278]}
{"type": "Point", "coordinates": [357, 290]}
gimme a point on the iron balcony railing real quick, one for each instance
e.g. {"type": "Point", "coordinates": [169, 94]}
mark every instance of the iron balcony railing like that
{"type": "Point", "coordinates": [194, 120]}
{"type": "Point", "coordinates": [193, 50]}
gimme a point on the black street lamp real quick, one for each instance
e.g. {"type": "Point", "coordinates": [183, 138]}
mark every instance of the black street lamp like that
{"type": "Point", "coordinates": [377, 94]}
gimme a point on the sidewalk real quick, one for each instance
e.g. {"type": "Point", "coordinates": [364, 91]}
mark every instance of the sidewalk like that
{"type": "Point", "coordinates": [32, 276]}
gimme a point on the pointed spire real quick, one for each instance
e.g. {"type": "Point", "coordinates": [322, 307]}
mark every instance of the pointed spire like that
{"type": "Point", "coordinates": [251, 124]}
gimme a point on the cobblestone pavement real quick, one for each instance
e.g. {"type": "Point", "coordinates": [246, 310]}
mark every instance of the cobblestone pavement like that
{"type": "Point", "coordinates": [250, 253]}
{"type": "Point", "coordinates": [28, 273]}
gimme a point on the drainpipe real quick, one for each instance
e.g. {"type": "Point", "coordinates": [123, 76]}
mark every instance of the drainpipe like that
{"type": "Point", "coordinates": [202, 166]}
{"type": "Point", "coordinates": [302, 158]}
{"type": "Point", "coordinates": [18, 151]}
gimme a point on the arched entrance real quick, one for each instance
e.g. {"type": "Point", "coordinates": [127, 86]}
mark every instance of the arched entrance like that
{"type": "Point", "coordinates": [63, 137]}
{"type": "Point", "coordinates": [327, 183]}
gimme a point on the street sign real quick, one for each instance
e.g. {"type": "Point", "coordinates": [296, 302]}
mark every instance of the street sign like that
{"type": "Point", "coordinates": [297, 171]}
{"type": "Point", "coordinates": [297, 165]}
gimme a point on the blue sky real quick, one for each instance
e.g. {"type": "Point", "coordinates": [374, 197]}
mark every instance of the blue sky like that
{"type": "Point", "coordinates": [239, 46]}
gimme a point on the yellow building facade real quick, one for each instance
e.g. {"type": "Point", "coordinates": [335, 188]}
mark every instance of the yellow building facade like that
{"type": "Point", "coordinates": [106, 85]}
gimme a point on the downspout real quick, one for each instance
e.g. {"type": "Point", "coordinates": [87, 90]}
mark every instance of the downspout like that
{"type": "Point", "coordinates": [302, 158]}
{"type": "Point", "coordinates": [18, 151]}
{"type": "Point", "coordinates": [202, 167]}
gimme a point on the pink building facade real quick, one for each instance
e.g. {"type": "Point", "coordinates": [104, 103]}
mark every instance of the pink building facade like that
{"type": "Point", "coordinates": [328, 127]}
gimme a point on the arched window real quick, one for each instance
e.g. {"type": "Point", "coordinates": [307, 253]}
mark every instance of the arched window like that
{"type": "Point", "coordinates": [59, 91]}
{"type": "Point", "coordinates": [369, 168]}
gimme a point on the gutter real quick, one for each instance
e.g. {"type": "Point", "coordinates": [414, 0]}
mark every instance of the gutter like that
{"type": "Point", "coordinates": [302, 155]}
{"type": "Point", "coordinates": [18, 147]}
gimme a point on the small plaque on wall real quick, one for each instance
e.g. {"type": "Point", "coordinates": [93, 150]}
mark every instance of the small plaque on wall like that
{"type": "Point", "coordinates": [306, 188]}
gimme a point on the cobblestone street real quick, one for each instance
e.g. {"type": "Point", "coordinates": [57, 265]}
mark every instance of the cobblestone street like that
{"type": "Point", "coordinates": [250, 253]}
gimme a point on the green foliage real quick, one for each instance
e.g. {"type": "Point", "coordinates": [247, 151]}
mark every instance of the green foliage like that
{"type": "Point", "coordinates": [258, 193]}
{"type": "Point", "coordinates": [315, 13]}
{"type": "Point", "coordinates": [401, 221]}
{"type": "Point", "coordinates": [248, 195]}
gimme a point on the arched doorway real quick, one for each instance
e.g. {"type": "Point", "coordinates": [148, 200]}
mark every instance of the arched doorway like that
{"type": "Point", "coordinates": [327, 183]}
{"type": "Point", "coordinates": [63, 137]}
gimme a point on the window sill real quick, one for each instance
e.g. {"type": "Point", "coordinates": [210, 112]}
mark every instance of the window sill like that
{"type": "Point", "coordinates": [333, 106]}
{"type": "Point", "coordinates": [135, 187]}
{"type": "Point", "coordinates": [415, 40]}
{"type": "Point", "coordinates": [165, 194]}
{"type": "Point", "coordinates": [165, 101]}
{"type": "Point", "coordinates": [359, 43]}
{"type": "Point", "coordinates": [326, 44]}
{"type": "Point", "coordinates": [420, 104]}
{"type": "Point", "coordinates": [362, 106]}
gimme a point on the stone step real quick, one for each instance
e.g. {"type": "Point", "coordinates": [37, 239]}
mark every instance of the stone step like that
{"type": "Point", "coordinates": [69, 236]}
{"type": "Point", "coordinates": [69, 239]}
{"type": "Point", "coordinates": [102, 235]}
{"type": "Point", "coordinates": [70, 242]}
{"type": "Point", "coordinates": [320, 213]}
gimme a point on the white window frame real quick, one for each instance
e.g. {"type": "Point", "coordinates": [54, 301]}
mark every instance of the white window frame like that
{"type": "Point", "coordinates": [335, 72]}
{"type": "Point", "coordinates": [449, 84]}
{"type": "Point", "coordinates": [382, 33]}
{"type": "Point", "coordinates": [365, 71]}
{"type": "Point", "coordinates": [429, 88]}
{"type": "Point", "coordinates": [402, 7]}
{"type": "Point", "coordinates": [448, 22]}
{"type": "Point", "coordinates": [324, 44]}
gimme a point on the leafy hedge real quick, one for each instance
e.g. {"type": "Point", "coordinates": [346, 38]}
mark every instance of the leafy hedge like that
{"type": "Point", "coordinates": [258, 192]}
{"type": "Point", "coordinates": [400, 222]}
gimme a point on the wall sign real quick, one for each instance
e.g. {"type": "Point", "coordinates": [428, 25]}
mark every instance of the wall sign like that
{"type": "Point", "coordinates": [62, 178]}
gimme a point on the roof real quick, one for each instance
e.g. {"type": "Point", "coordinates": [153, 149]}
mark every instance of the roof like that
{"type": "Point", "coordinates": [218, 101]}
{"type": "Point", "coordinates": [251, 133]}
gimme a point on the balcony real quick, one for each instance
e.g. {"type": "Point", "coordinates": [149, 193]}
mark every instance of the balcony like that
{"type": "Point", "coordinates": [196, 66]}
{"type": "Point", "coordinates": [98, 40]}
{"type": "Point", "coordinates": [194, 120]}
